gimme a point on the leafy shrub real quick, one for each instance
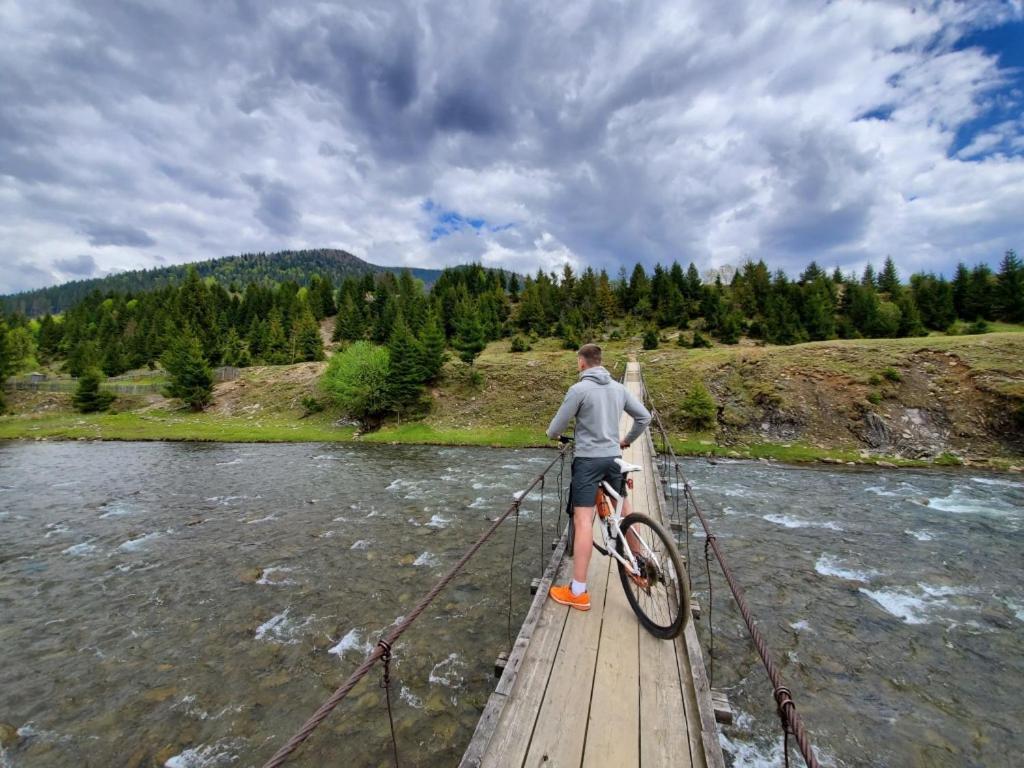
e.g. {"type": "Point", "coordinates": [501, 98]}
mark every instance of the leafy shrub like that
{"type": "Point", "coordinates": [874, 379]}
{"type": "Point", "coordinates": [699, 407]}
{"type": "Point", "coordinates": [874, 398]}
{"type": "Point", "coordinates": [892, 374]}
{"type": "Point", "coordinates": [357, 380]}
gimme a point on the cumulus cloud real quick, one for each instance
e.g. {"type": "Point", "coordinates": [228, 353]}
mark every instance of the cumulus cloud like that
{"type": "Point", "coordinates": [595, 133]}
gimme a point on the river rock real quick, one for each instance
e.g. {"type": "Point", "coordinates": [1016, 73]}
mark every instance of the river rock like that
{"type": "Point", "coordinates": [886, 464]}
{"type": "Point", "coordinates": [8, 735]}
{"type": "Point", "coordinates": [250, 575]}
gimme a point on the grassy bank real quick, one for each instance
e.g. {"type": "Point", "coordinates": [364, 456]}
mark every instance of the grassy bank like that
{"type": "Point", "coordinates": [803, 403]}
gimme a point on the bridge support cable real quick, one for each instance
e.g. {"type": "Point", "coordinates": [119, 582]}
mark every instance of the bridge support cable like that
{"type": "Point", "coordinates": [386, 643]}
{"type": "Point", "coordinates": [789, 718]}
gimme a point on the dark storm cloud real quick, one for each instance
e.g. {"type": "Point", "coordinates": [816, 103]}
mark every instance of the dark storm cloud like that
{"type": "Point", "coordinates": [105, 233]}
{"type": "Point", "coordinates": [83, 265]}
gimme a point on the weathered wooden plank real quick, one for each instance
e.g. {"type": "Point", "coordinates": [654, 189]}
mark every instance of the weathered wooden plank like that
{"type": "Point", "coordinates": [663, 724]}
{"type": "Point", "coordinates": [723, 709]}
{"type": "Point", "coordinates": [562, 721]}
{"type": "Point", "coordinates": [702, 728]}
{"type": "Point", "coordinates": [535, 621]}
{"type": "Point", "coordinates": [613, 728]}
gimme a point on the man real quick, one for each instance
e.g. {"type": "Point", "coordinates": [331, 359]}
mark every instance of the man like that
{"type": "Point", "coordinates": [597, 402]}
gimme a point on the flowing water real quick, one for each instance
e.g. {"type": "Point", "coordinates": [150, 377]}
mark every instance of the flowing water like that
{"type": "Point", "coordinates": [893, 602]}
{"type": "Point", "coordinates": [190, 605]}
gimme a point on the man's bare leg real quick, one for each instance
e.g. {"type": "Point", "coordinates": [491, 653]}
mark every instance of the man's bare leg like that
{"type": "Point", "coordinates": [583, 544]}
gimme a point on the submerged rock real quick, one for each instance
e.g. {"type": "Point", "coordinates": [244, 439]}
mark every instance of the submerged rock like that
{"type": "Point", "coordinates": [8, 735]}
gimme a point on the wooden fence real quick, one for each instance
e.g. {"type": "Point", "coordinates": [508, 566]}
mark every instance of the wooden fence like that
{"type": "Point", "coordinates": [122, 385]}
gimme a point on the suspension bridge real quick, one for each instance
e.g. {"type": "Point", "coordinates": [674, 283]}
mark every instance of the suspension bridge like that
{"type": "Point", "coordinates": [594, 688]}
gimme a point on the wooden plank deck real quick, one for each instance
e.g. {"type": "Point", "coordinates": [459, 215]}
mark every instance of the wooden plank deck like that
{"type": "Point", "coordinates": [594, 688]}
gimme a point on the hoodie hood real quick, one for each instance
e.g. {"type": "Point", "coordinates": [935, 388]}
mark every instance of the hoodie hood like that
{"type": "Point", "coordinates": [598, 374]}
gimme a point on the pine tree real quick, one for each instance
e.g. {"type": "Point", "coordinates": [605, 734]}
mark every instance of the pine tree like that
{"type": "Point", "coordinates": [234, 352]}
{"type": "Point", "coordinates": [889, 280]}
{"type": "Point", "coordinates": [307, 343]}
{"type": "Point", "coordinates": [699, 407]}
{"type": "Point", "coordinates": [114, 359]}
{"type": "Point", "coordinates": [469, 335]}
{"type": "Point", "coordinates": [432, 347]}
{"type": "Point", "coordinates": [1010, 288]}
{"type": "Point", "coordinates": [5, 361]}
{"type": "Point", "coordinates": [513, 287]}
{"type": "Point", "coordinates": [961, 286]}
{"type": "Point", "coordinates": [49, 337]}
{"type": "Point", "coordinates": [88, 397]}
{"type": "Point", "coordinates": [405, 384]}
{"type": "Point", "coordinates": [190, 377]}
{"type": "Point", "coordinates": [275, 351]}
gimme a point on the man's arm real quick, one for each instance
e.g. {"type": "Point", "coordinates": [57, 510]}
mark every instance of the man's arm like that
{"type": "Point", "coordinates": [570, 405]}
{"type": "Point", "coordinates": [641, 418]}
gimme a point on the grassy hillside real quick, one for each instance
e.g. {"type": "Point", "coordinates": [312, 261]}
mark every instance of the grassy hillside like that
{"type": "Point", "coordinates": [945, 399]}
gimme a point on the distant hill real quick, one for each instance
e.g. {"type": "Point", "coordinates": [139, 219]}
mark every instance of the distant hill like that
{"type": "Point", "coordinates": [239, 271]}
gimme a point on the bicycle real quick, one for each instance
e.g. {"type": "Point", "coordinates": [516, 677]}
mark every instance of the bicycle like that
{"type": "Point", "coordinates": [649, 566]}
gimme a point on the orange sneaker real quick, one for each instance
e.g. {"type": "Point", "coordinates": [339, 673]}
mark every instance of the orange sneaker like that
{"type": "Point", "coordinates": [565, 596]}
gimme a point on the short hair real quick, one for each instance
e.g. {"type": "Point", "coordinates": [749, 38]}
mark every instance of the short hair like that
{"type": "Point", "coordinates": [591, 354]}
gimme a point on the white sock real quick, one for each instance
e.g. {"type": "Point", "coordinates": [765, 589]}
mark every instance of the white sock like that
{"type": "Point", "coordinates": [578, 587]}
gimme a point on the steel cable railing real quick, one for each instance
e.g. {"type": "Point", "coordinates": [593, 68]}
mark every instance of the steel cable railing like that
{"type": "Point", "coordinates": [786, 707]}
{"type": "Point", "coordinates": [386, 643]}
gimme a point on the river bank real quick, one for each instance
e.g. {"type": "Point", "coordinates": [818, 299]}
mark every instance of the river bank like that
{"type": "Point", "coordinates": [935, 401]}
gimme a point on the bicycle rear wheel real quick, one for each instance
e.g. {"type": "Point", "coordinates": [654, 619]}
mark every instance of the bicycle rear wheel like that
{"type": "Point", "coordinates": [660, 593]}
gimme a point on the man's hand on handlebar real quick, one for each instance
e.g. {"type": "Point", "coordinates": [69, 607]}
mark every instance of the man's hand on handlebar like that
{"type": "Point", "coordinates": [564, 439]}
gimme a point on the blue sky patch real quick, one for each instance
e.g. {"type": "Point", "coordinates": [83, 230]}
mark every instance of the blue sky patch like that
{"type": "Point", "coordinates": [999, 126]}
{"type": "Point", "coordinates": [446, 222]}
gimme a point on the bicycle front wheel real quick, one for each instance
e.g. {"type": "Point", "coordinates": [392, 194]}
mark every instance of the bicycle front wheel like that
{"type": "Point", "coordinates": [660, 593]}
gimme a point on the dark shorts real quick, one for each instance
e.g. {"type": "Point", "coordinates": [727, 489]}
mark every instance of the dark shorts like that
{"type": "Point", "coordinates": [588, 472]}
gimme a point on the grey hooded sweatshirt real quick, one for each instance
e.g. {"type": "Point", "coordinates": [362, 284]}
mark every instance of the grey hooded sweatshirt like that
{"type": "Point", "coordinates": [597, 401]}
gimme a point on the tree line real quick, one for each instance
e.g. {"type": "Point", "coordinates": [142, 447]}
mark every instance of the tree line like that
{"type": "Point", "coordinates": [198, 323]}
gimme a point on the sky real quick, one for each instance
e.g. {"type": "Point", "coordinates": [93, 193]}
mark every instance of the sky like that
{"type": "Point", "coordinates": [520, 135]}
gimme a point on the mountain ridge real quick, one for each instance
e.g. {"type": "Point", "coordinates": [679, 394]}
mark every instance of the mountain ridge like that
{"type": "Point", "coordinates": [240, 269]}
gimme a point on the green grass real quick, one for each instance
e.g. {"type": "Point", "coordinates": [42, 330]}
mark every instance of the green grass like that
{"type": "Point", "coordinates": [172, 426]}
{"type": "Point", "coordinates": [792, 453]}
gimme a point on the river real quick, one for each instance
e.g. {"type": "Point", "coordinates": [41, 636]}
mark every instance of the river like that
{"type": "Point", "coordinates": [191, 604]}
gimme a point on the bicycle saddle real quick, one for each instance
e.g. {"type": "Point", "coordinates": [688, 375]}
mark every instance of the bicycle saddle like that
{"type": "Point", "coordinates": [626, 467]}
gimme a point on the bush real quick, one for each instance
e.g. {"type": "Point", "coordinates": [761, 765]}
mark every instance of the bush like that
{"type": "Point", "coordinates": [88, 398]}
{"type": "Point", "coordinates": [874, 379]}
{"type": "Point", "coordinates": [874, 398]}
{"type": "Point", "coordinates": [357, 380]}
{"type": "Point", "coordinates": [699, 407]}
{"type": "Point", "coordinates": [311, 405]}
{"type": "Point", "coordinates": [892, 374]}
{"type": "Point", "coordinates": [651, 339]}
{"type": "Point", "coordinates": [978, 326]}
{"type": "Point", "coordinates": [700, 341]}
{"type": "Point", "coordinates": [519, 344]}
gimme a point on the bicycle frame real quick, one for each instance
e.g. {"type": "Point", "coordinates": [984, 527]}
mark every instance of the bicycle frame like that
{"type": "Point", "coordinates": [610, 531]}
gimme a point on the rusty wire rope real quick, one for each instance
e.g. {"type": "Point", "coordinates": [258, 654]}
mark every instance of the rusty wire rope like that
{"type": "Point", "coordinates": [384, 645]}
{"type": "Point", "coordinates": [789, 718]}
